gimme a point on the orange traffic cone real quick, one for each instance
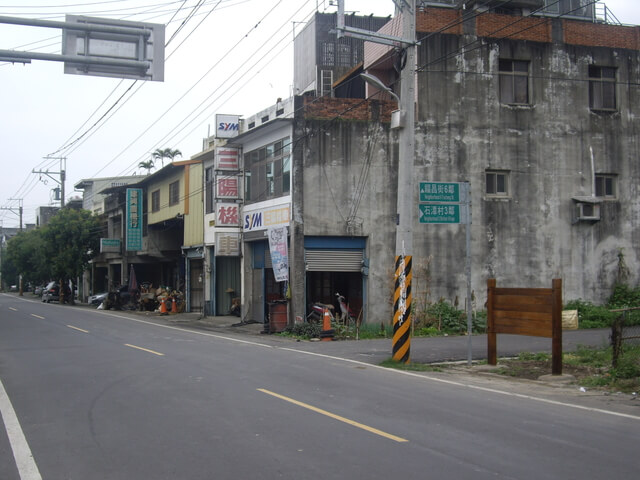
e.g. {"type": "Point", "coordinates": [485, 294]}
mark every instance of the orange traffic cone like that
{"type": "Point", "coordinates": [163, 307]}
{"type": "Point", "coordinates": [174, 306]}
{"type": "Point", "coordinates": [326, 335]}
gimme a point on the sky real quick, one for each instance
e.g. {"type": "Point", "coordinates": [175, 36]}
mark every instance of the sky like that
{"type": "Point", "coordinates": [227, 57]}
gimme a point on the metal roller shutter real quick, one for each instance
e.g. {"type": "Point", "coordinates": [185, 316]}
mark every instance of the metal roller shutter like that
{"type": "Point", "coordinates": [333, 260]}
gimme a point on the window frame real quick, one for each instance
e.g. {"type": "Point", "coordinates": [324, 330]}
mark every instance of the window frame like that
{"type": "Point", "coordinates": [268, 171]}
{"type": "Point", "coordinates": [604, 191]}
{"type": "Point", "coordinates": [209, 183]}
{"type": "Point", "coordinates": [155, 200]}
{"type": "Point", "coordinates": [513, 77]}
{"type": "Point", "coordinates": [495, 174]}
{"type": "Point", "coordinates": [598, 84]}
{"type": "Point", "coordinates": [174, 193]}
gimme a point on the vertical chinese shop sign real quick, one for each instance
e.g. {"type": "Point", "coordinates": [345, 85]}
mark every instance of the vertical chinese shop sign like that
{"type": "Point", "coordinates": [134, 219]}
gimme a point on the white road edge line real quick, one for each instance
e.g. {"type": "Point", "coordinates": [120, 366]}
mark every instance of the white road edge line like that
{"type": "Point", "coordinates": [468, 385]}
{"type": "Point", "coordinates": [27, 468]}
{"type": "Point", "coordinates": [400, 372]}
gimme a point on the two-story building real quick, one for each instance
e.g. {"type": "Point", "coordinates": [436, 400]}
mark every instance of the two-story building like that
{"type": "Point", "coordinates": [156, 226]}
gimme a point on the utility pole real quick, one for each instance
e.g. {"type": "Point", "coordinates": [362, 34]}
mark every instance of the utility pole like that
{"type": "Point", "coordinates": [19, 212]}
{"type": "Point", "coordinates": [404, 229]}
{"type": "Point", "coordinates": [62, 173]}
{"type": "Point", "coordinates": [406, 143]}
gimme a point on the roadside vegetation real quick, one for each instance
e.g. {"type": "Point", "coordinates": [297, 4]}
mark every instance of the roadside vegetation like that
{"type": "Point", "coordinates": [592, 367]}
{"type": "Point", "coordinates": [57, 251]}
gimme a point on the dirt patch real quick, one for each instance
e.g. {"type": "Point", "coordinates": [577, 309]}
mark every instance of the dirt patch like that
{"type": "Point", "coordinates": [534, 369]}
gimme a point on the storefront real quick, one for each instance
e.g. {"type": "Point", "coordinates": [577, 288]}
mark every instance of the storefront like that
{"type": "Point", "coordinates": [260, 281]}
{"type": "Point", "coordinates": [336, 265]}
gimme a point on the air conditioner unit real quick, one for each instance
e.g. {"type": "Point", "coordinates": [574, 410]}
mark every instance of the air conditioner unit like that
{"type": "Point", "coordinates": [587, 211]}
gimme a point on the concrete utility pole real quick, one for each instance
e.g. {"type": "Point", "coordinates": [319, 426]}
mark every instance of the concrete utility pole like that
{"type": "Point", "coordinates": [406, 140]}
{"type": "Point", "coordinates": [62, 173]}
{"type": "Point", "coordinates": [404, 229]}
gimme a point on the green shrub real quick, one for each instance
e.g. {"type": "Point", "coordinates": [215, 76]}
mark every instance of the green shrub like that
{"type": "Point", "coordinates": [628, 364]}
{"type": "Point", "coordinates": [624, 296]}
{"type": "Point", "coordinates": [370, 331]}
{"type": "Point", "coordinates": [590, 315]}
{"type": "Point", "coordinates": [304, 330]}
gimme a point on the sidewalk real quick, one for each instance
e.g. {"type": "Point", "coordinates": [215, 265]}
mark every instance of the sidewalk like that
{"type": "Point", "coordinates": [422, 350]}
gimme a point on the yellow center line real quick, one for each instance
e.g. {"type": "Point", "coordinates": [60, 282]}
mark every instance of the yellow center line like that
{"type": "Point", "coordinates": [334, 416]}
{"type": "Point", "coordinates": [144, 349]}
{"type": "Point", "coordinates": [14, 309]}
{"type": "Point", "coordinates": [37, 316]}
{"type": "Point", "coordinates": [79, 329]}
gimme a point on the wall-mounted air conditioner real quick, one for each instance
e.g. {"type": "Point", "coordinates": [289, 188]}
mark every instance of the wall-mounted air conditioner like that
{"type": "Point", "coordinates": [587, 209]}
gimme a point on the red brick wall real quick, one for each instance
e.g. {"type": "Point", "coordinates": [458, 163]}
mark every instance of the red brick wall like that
{"type": "Point", "coordinates": [535, 29]}
{"type": "Point", "coordinates": [516, 28]}
{"type": "Point", "coordinates": [348, 109]}
{"type": "Point", "coordinates": [437, 19]}
{"type": "Point", "coordinates": [598, 35]}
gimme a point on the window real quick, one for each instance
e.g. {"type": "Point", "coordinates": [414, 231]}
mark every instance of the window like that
{"type": "Point", "coordinates": [209, 190]}
{"type": "Point", "coordinates": [514, 82]}
{"type": "Point", "coordinates": [602, 88]}
{"type": "Point", "coordinates": [605, 186]}
{"type": "Point", "coordinates": [286, 174]}
{"type": "Point", "coordinates": [497, 183]}
{"type": "Point", "coordinates": [155, 200]}
{"type": "Point", "coordinates": [268, 171]}
{"type": "Point", "coordinates": [328, 54]}
{"type": "Point", "coordinates": [174, 193]}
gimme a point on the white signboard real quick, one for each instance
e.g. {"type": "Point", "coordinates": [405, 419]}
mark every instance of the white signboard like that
{"type": "Point", "coordinates": [227, 126]}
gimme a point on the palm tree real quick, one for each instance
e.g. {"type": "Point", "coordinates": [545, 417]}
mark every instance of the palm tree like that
{"type": "Point", "coordinates": [148, 165]}
{"type": "Point", "coordinates": [161, 154]}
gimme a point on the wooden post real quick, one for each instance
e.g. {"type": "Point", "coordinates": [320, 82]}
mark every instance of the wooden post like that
{"type": "Point", "coordinates": [556, 319]}
{"type": "Point", "coordinates": [492, 358]}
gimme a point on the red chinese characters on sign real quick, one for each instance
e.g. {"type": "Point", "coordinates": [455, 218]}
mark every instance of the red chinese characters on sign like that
{"type": "Point", "coordinates": [227, 158]}
{"type": "Point", "coordinates": [228, 214]}
{"type": "Point", "coordinates": [228, 187]}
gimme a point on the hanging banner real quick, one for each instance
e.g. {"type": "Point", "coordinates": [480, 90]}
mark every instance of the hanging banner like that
{"type": "Point", "coordinates": [279, 253]}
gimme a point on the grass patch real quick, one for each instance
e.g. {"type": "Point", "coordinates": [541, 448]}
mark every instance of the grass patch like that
{"type": "Point", "coordinates": [590, 366]}
{"type": "Point", "coordinates": [413, 367]}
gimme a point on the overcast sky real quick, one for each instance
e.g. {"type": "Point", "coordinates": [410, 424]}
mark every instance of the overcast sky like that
{"type": "Point", "coordinates": [231, 56]}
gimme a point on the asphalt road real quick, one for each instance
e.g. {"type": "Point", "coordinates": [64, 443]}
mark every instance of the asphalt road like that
{"type": "Point", "coordinates": [99, 395]}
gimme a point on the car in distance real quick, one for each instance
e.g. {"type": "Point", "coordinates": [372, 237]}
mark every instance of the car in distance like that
{"type": "Point", "coordinates": [51, 293]}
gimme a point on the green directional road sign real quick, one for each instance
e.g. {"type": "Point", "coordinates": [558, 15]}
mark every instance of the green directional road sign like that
{"type": "Point", "coordinates": [439, 213]}
{"type": "Point", "coordinates": [439, 192]}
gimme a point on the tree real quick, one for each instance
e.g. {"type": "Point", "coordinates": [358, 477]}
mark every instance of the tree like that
{"type": "Point", "coordinates": [161, 154]}
{"type": "Point", "coordinates": [71, 239]}
{"type": "Point", "coordinates": [148, 165]}
{"type": "Point", "coordinates": [25, 256]}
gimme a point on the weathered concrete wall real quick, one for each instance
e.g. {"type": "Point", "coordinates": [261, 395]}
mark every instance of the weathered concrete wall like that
{"type": "Point", "coordinates": [529, 237]}
{"type": "Point", "coordinates": [350, 178]}
{"type": "Point", "coordinates": [547, 147]}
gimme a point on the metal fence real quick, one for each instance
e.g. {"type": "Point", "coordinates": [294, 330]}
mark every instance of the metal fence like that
{"type": "Point", "coordinates": [624, 333]}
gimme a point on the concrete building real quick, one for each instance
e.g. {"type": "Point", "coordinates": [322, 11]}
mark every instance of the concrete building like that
{"type": "Point", "coordinates": [156, 226]}
{"type": "Point", "coordinates": [92, 200]}
{"type": "Point", "coordinates": [536, 110]}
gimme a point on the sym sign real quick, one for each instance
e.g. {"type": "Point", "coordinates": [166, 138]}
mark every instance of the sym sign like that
{"type": "Point", "coordinates": [227, 126]}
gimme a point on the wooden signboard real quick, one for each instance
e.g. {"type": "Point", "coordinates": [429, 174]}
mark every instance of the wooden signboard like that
{"type": "Point", "coordinates": [525, 311]}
